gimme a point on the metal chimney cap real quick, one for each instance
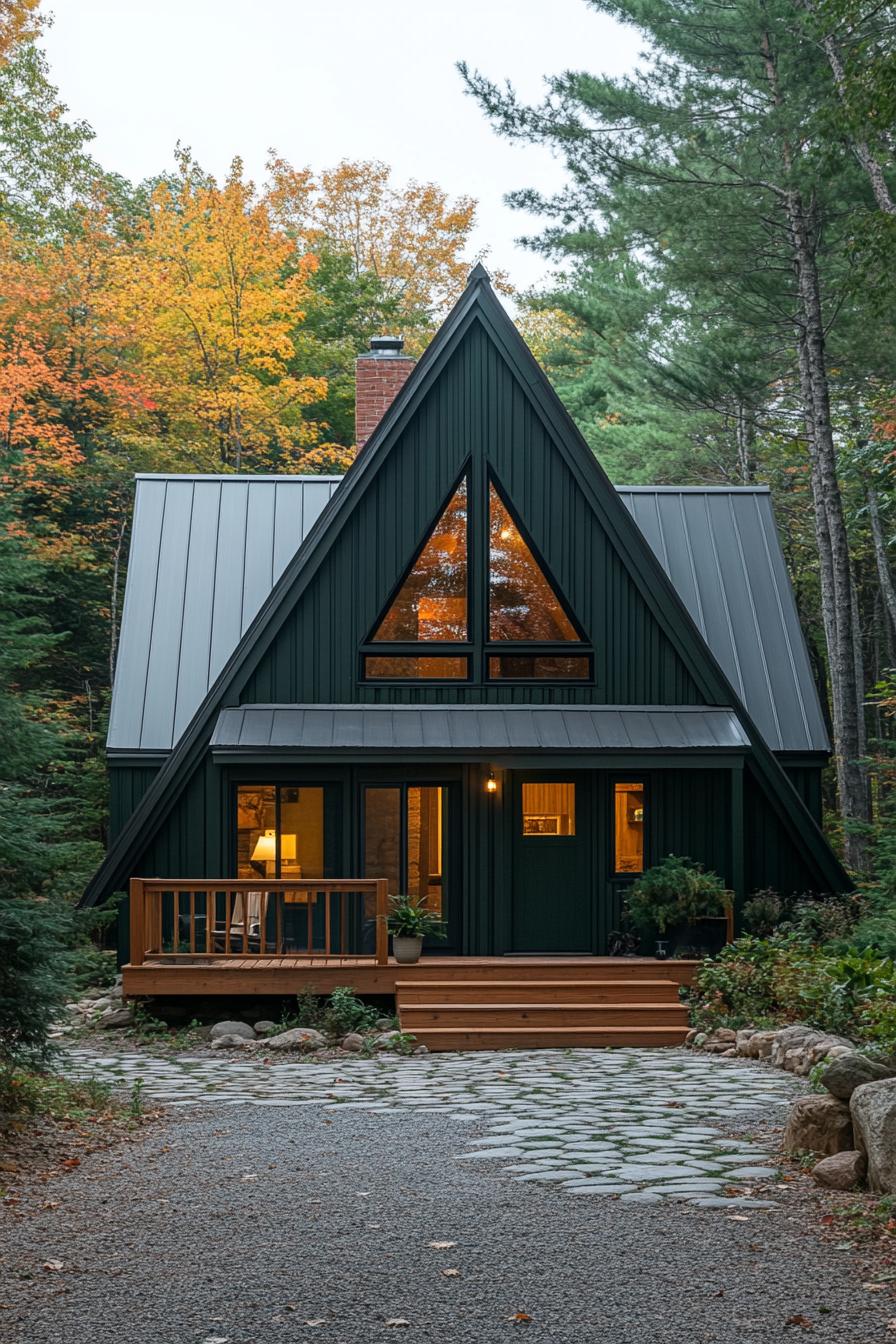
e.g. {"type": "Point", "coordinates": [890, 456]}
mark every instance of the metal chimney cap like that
{"type": "Point", "coordinates": [386, 345]}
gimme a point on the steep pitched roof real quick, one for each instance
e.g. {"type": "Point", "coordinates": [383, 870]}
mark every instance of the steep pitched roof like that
{"type": "Point", "coordinates": [208, 550]}
{"type": "Point", "coordinates": [476, 304]}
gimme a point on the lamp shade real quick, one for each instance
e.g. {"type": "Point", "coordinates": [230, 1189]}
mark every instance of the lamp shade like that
{"type": "Point", "coordinates": [265, 850]}
{"type": "Point", "coordinates": [288, 848]}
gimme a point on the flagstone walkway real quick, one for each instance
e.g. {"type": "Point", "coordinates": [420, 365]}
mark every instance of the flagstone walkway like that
{"type": "Point", "coordinates": [640, 1125]}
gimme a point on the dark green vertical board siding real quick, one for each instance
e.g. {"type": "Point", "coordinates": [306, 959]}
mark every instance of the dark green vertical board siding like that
{"type": "Point", "coordinates": [479, 410]}
{"type": "Point", "coordinates": [690, 815]}
{"type": "Point", "coordinates": [127, 785]}
{"type": "Point", "coordinates": [806, 779]}
{"type": "Point", "coordinates": [772, 858]}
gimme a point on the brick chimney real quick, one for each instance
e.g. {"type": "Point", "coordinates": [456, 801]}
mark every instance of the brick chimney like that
{"type": "Point", "coordinates": [379, 377]}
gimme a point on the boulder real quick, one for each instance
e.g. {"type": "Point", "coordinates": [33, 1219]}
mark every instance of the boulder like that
{"type": "Point", "coordinates": [387, 1040]}
{"type": "Point", "coordinates": [297, 1038]}
{"type": "Point", "coordinates": [421, 1050]}
{"type": "Point", "coordinates": [761, 1043]}
{"type": "Point", "coordinates": [818, 1124]}
{"type": "Point", "coordinates": [265, 1028]}
{"type": "Point", "coordinates": [353, 1041]}
{"type": "Point", "coordinates": [847, 1072]}
{"type": "Point", "coordinates": [700, 1040]}
{"type": "Point", "coordinates": [689, 1039]}
{"type": "Point", "coordinates": [841, 1171]}
{"type": "Point", "coordinates": [232, 1029]}
{"type": "Point", "coordinates": [228, 1042]}
{"type": "Point", "coordinates": [119, 1017]}
{"type": "Point", "coordinates": [743, 1039]}
{"type": "Point", "coordinates": [100, 1005]}
{"type": "Point", "coordinates": [790, 1043]}
{"type": "Point", "coordinates": [873, 1107]}
{"type": "Point", "coordinates": [384, 1023]}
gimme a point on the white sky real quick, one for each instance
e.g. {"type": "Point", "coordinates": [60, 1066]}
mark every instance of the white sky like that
{"type": "Point", "coordinates": [324, 81]}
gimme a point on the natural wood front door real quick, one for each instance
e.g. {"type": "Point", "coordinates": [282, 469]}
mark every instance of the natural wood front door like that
{"type": "Point", "coordinates": [552, 886]}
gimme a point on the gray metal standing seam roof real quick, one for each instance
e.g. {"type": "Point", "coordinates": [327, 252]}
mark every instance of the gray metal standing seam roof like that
{"type": "Point", "coordinates": [346, 729]}
{"type": "Point", "coordinates": [207, 550]}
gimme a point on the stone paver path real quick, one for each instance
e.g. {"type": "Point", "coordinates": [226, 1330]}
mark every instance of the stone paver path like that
{"type": "Point", "coordinates": [643, 1125]}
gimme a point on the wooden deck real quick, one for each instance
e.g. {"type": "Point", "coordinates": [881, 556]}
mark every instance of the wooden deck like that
{"type": "Point", "coordinates": [230, 939]}
{"type": "Point", "coordinates": [254, 975]}
{"type": "Point", "coordinates": [462, 1003]}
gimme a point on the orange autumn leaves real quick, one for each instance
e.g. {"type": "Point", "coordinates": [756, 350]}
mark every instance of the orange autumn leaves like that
{"type": "Point", "coordinates": [208, 300]}
{"type": "Point", "coordinates": [182, 333]}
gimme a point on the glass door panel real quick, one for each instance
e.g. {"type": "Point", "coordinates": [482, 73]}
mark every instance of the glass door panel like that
{"type": "Point", "coordinates": [404, 840]}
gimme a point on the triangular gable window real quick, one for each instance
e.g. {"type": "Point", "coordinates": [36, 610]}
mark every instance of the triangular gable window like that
{"type": "Point", "coordinates": [426, 632]}
{"type": "Point", "coordinates": [432, 605]}
{"type": "Point", "coordinates": [522, 603]}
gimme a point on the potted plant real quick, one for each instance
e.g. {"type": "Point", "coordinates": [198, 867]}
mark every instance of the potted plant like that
{"type": "Point", "coordinates": [410, 921]}
{"type": "Point", "coordinates": [674, 896]}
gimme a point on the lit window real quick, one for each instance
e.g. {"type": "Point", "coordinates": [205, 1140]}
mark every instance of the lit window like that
{"type": "Point", "coordinates": [549, 809]}
{"type": "Point", "coordinates": [522, 604]}
{"type": "Point", "coordinates": [295, 848]}
{"type": "Point", "coordinates": [629, 827]}
{"type": "Point", "coordinates": [432, 601]}
{"type": "Point", "coordinates": [409, 668]}
{"type": "Point", "coordinates": [408, 852]}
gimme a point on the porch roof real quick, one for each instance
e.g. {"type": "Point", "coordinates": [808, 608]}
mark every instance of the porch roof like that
{"type": "Point", "coordinates": [476, 730]}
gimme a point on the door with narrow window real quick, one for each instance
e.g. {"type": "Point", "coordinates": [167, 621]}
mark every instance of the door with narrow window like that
{"type": "Point", "coordinates": [407, 832]}
{"type": "Point", "coordinates": [552, 900]}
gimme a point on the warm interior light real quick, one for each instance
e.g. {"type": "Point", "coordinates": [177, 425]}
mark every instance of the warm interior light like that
{"type": "Point", "coordinates": [491, 784]}
{"type": "Point", "coordinates": [265, 850]}
{"type": "Point", "coordinates": [506, 534]}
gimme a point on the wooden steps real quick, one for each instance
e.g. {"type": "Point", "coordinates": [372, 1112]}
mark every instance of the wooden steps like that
{"type": "Point", "coordinates": [543, 1004]}
{"type": "Point", "coordinates": [515, 991]}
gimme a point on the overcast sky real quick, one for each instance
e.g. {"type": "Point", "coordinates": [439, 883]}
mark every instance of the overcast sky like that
{"type": "Point", "coordinates": [328, 80]}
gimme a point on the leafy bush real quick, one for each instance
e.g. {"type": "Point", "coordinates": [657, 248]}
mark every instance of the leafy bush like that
{"type": "Point", "coordinates": [762, 913]}
{"type": "Point", "coordinates": [675, 891]}
{"type": "Point", "coordinates": [345, 1012]}
{"type": "Point", "coordinates": [784, 979]}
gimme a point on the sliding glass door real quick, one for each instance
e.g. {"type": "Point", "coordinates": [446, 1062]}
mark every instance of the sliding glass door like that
{"type": "Point", "coordinates": [404, 838]}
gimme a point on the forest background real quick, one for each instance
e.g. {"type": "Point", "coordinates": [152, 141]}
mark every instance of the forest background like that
{"type": "Point", "coordinates": [722, 312]}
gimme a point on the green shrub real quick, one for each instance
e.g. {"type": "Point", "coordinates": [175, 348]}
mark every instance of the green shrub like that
{"type": "Point", "coordinates": [762, 913]}
{"type": "Point", "coordinates": [675, 891]}
{"type": "Point", "coordinates": [345, 1012]}
{"type": "Point", "coordinates": [35, 976]}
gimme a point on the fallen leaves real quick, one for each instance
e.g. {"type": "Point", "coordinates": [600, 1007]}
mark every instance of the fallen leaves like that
{"type": "Point", "coordinates": [451, 1273]}
{"type": "Point", "coordinates": [802, 1321]}
{"type": "Point", "coordinates": [520, 1318]}
{"type": "Point", "coordinates": [396, 1321]}
{"type": "Point", "coordinates": [441, 1245]}
{"type": "Point", "coordinates": [52, 1266]}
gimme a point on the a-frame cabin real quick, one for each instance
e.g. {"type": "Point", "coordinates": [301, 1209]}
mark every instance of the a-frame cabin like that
{"type": "Point", "coordinates": [472, 670]}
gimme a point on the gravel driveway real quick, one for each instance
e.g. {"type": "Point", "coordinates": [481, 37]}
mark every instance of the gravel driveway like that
{"type": "Point", "coordinates": [262, 1222]}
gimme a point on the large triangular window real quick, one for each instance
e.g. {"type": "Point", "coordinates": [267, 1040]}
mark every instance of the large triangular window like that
{"type": "Point", "coordinates": [432, 603]}
{"type": "Point", "coordinates": [528, 632]}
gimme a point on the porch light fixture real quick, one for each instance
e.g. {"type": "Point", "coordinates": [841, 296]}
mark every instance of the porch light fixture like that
{"type": "Point", "coordinates": [491, 784]}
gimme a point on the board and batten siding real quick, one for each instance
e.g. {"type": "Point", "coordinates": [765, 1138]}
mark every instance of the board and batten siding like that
{"type": "Point", "coordinates": [477, 409]}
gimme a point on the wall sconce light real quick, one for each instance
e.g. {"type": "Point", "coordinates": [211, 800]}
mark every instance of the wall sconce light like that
{"type": "Point", "coordinates": [491, 784]}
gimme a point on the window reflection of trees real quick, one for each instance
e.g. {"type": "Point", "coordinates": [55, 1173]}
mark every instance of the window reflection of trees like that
{"type": "Point", "coordinates": [432, 602]}
{"type": "Point", "coordinates": [522, 603]}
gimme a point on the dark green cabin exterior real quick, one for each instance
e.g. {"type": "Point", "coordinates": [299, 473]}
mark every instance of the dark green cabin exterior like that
{"type": "Point", "coordinates": [511, 877]}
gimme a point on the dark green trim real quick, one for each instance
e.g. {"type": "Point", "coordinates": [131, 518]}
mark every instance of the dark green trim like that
{"type": "Point", "coordinates": [477, 304]}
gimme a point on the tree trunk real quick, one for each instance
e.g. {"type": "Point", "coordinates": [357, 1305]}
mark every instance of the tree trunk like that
{"type": "Point", "coordinates": [884, 573]}
{"type": "Point", "coordinates": [861, 148]}
{"type": "Point", "coordinates": [837, 596]}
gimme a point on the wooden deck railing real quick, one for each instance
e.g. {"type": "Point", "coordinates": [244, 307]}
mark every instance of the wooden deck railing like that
{"type": "Point", "coordinates": [219, 917]}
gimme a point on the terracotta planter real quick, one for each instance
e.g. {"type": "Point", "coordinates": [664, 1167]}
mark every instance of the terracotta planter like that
{"type": "Point", "coordinates": [406, 950]}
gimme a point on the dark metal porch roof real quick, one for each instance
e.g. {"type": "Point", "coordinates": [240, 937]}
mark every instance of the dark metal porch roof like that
{"type": "Point", "coordinates": [475, 729]}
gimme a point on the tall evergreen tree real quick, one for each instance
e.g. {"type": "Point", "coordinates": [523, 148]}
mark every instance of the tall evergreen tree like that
{"type": "Point", "coordinates": [710, 167]}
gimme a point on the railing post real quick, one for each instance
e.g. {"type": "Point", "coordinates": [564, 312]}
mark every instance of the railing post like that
{"type": "Point", "coordinates": [138, 927]}
{"type": "Point", "coordinates": [382, 933]}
